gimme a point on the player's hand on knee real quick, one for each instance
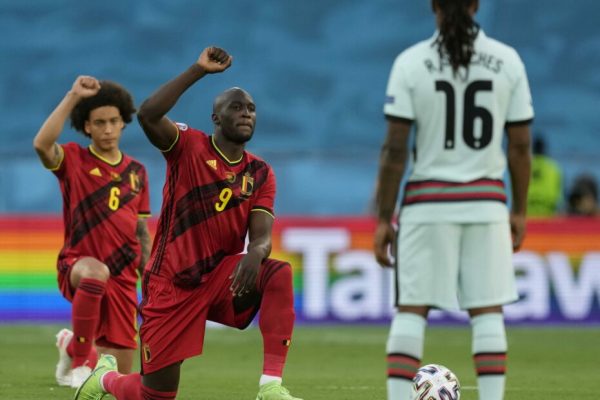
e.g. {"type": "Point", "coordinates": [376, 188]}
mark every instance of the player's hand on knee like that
{"type": "Point", "coordinates": [244, 276]}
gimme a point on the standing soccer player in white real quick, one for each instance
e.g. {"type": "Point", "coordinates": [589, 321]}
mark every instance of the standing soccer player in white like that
{"type": "Point", "coordinates": [462, 90]}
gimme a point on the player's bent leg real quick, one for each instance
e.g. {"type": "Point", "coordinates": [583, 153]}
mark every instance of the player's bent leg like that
{"type": "Point", "coordinates": [489, 348]}
{"type": "Point", "coordinates": [275, 298]}
{"type": "Point", "coordinates": [404, 350]}
{"type": "Point", "coordinates": [124, 357]}
{"type": "Point", "coordinates": [277, 315]}
{"type": "Point", "coordinates": [88, 276]}
{"type": "Point", "coordinates": [276, 324]}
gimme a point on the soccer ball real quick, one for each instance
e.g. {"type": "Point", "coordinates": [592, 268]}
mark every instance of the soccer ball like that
{"type": "Point", "coordinates": [435, 382]}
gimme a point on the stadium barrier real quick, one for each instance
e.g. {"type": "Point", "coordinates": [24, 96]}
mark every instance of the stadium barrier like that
{"type": "Point", "coordinates": [336, 278]}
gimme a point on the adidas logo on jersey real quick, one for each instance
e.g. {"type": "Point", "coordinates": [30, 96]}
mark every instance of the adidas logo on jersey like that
{"type": "Point", "coordinates": [95, 172]}
{"type": "Point", "coordinates": [212, 164]}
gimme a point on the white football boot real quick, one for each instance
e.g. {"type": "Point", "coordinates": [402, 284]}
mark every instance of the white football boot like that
{"type": "Point", "coordinates": [63, 368]}
{"type": "Point", "coordinates": [79, 375]}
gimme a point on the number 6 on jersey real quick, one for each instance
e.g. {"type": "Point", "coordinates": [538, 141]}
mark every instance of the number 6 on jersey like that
{"type": "Point", "coordinates": [113, 199]}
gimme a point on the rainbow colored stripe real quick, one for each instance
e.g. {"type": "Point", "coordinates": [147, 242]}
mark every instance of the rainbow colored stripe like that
{"type": "Point", "coordinates": [29, 245]}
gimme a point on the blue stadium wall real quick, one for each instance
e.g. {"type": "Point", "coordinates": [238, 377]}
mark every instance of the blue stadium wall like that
{"type": "Point", "coordinates": [317, 71]}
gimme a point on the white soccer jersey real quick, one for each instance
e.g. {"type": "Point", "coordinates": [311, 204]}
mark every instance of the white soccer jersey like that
{"type": "Point", "coordinates": [459, 162]}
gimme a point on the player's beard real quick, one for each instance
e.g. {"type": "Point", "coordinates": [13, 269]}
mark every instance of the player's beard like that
{"type": "Point", "coordinates": [238, 137]}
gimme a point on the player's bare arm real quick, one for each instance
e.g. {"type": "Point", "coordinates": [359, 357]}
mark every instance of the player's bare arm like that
{"type": "Point", "coordinates": [259, 248]}
{"type": "Point", "coordinates": [143, 235]}
{"type": "Point", "coordinates": [161, 132]}
{"type": "Point", "coordinates": [392, 165]}
{"type": "Point", "coordinates": [519, 165]}
{"type": "Point", "coordinates": [45, 145]}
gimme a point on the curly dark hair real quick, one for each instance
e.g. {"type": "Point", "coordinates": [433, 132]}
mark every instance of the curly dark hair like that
{"type": "Point", "coordinates": [458, 31]}
{"type": "Point", "coordinates": [110, 94]}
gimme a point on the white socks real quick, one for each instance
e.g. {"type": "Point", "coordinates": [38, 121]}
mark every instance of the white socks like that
{"type": "Point", "coordinates": [404, 352]}
{"type": "Point", "coordinates": [489, 353]}
{"type": "Point", "coordinates": [264, 379]}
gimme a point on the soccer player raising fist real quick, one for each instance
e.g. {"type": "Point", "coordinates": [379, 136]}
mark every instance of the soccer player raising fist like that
{"type": "Point", "coordinates": [105, 205]}
{"type": "Point", "coordinates": [216, 193]}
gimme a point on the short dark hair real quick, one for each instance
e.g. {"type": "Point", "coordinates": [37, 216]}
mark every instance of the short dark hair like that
{"type": "Point", "coordinates": [110, 94]}
{"type": "Point", "coordinates": [584, 185]}
{"type": "Point", "coordinates": [457, 34]}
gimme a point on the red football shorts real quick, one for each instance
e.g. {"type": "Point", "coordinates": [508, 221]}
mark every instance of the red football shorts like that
{"type": "Point", "coordinates": [174, 319]}
{"type": "Point", "coordinates": [117, 326]}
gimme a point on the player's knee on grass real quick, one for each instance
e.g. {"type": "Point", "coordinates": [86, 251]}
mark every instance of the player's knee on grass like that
{"type": "Point", "coordinates": [163, 380]}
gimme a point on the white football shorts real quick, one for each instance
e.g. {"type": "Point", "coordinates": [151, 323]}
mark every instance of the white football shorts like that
{"type": "Point", "coordinates": [452, 265]}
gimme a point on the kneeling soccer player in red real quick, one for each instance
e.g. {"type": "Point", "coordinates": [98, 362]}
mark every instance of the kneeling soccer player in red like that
{"type": "Point", "coordinates": [215, 194]}
{"type": "Point", "coordinates": [106, 241]}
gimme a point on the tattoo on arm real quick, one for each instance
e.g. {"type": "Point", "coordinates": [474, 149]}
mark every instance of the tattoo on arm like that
{"type": "Point", "coordinates": [144, 238]}
{"type": "Point", "coordinates": [52, 158]}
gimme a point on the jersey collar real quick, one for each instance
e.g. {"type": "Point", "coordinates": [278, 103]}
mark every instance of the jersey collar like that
{"type": "Point", "coordinates": [222, 155]}
{"type": "Point", "coordinates": [98, 156]}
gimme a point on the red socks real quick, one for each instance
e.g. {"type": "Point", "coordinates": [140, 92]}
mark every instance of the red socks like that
{"type": "Point", "coordinates": [276, 319]}
{"type": "Point", "coordinates": [85, 316]}
{"type": "Point", "coordinates": [130, 387]}
{"type": "Point", "coordinates": [276, 325]}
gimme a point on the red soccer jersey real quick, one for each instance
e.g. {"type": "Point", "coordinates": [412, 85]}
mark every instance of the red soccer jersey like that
{"type": "Point", "coordinates": [101, 206]}
{"type": "Point", "coordinates": [207, 201]}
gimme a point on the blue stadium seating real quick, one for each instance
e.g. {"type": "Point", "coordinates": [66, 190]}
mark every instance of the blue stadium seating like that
{"type": "Point", "coordinates": [317, 71]}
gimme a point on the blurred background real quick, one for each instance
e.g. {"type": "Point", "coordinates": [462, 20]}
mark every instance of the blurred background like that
{"type": "Point", "coordinates": [317, 71]}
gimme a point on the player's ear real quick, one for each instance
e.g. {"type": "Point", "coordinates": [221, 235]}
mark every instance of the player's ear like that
{"type": "Point", "coordinates": [215, 119]}
{"type": "Point", "coordinates": [86, 127]}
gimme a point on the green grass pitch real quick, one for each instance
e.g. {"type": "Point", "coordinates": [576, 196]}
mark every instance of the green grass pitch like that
{"type": "Point", "coordinates": [329, 363]}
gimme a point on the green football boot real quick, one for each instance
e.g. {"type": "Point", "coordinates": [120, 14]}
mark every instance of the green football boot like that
{"type": "Point", "coordinates": [274, 391]}
{"type": "Point", "coordinates": [91, 389]}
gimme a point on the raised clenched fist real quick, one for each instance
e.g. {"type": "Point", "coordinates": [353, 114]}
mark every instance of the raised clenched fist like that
{"type": "Point", "coordinates": [214, 60]}
{"type": "Point", "coordinates": [85, 86]}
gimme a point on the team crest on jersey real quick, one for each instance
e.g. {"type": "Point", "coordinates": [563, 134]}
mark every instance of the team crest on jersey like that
{"type": "Point", "coordinates": [115, 177]}
{"type": "Point", "coordinates": [230, 176]}
{"type": "Point", "coordinates": [247, 184]}
{"type": "Point", "coordinates": [134, 181]}
{"type": "Point", "coordinates": [182, 127]}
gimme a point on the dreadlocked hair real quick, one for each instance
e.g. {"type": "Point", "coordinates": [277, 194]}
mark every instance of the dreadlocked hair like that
{"type": "Point", "coordinates": [110, 94]}
{"type": "Point", "coordinates": [457, 34]}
